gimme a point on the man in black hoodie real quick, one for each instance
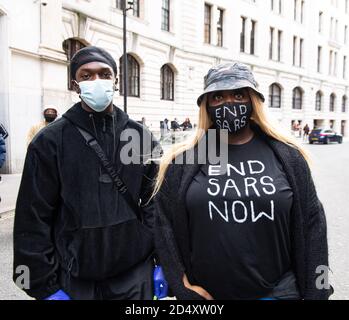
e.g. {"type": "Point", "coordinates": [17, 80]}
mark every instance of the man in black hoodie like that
{"type": "Point", "coordinates": [76, 234]}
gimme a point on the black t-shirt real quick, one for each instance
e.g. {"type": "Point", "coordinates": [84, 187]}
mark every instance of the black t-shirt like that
{"type": "Point", "coordinates": [239, 222]}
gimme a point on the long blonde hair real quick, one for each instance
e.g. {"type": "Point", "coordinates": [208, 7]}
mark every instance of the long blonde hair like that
{"type": "Point", "coordinates": [204, 123]}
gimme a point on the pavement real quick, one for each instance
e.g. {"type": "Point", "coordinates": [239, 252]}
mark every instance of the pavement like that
{"type": "Point", "coordinates": [9, 187]}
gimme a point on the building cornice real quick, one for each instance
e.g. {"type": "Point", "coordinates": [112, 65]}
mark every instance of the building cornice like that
{"type": "Point", "coordinates": [47, 54]}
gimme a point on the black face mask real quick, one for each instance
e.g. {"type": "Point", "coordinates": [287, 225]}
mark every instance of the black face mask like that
{"type": "Point", "coordinates": [50, 117]}
{"type": "Point", "coordinates": [232, 117]}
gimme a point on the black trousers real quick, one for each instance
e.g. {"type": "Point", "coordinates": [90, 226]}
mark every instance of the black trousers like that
{"type": "Point", "coordinates": [134, 284]}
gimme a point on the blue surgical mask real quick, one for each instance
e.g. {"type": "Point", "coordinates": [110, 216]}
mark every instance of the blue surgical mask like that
{"type": "Point", "coordinates": [97, 94]}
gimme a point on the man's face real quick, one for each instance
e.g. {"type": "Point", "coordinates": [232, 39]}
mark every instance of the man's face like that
{"type": "Point", "coordinates": [51, 112]}
{"type": "Point", "coordinates": [93, 71]}
{"type": "Point", "coordinates": [50, 115]}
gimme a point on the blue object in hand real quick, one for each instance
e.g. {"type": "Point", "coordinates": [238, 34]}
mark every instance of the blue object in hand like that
{"type": "Point", "coordinates": [160, 283]}
{"type": "Point", "coordinates": [59, 295]}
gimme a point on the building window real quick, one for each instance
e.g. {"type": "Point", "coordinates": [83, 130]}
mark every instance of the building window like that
{"type": "Point", "coordinates": [165, 15]}
{"type": "Point", "coordinates": [276, 6]}
{"type": "Point", "coordinates": [319, 58]}
{"type": "Point", "coordinates": [332, 102]}
{"type": "Point", "coordinates": [167, 83]}
{"type": "Point", "coordinates": [207, 23]}
{"type": "Point", "coordinates": [344, 67]}
{"type": "Point", "coordinates": [294, 50]}
{"type": "Point", "coordinates": [71, 46]}
{"type": "Point", "coordinates": [136, 8]}
{"type": "Point", "coordinates": [295, 3]}
{"type": "Point", "coordinates": [344, 103]}
{"type": "Point", "coordinates": [331, 28]}
{"type": "Point", "coordinates": [321, 14]}
{"type": "Point", "coordinates": [330, 63]}
{"type": "Point", "coordinates": [133, 76]}
{"type": "Point", "coordinates": [271, 43]}
{"type": "Point", "coordinates": [335, 63]}
{"type": "Point", "coordinates": [301, 47]}
{"type": "Point", "coordinates": [253, 36]}
{"type": "Point", "coordinates": [336, 31]}
{"type": "Point", "coordinates": [242, 34]}
{"type": "Point", "coordinates": [279, 44]}
{"type": "Point", "coordinates": [220, 28]}
{"type": "Point", "coordinates": [302, 11]}
{"type": "Point", "coordinates": [318, 101]}
{"type": "Point", "coordinates": [345, 34]}
{"type": "Point", "coordinates": [297, 98]}
{"type": "Point", "coordinates": [274, 96]}
{"type": "Point", "coordinates": [346, 6]}
{"type": "Point", "coordinates": [118, 4]}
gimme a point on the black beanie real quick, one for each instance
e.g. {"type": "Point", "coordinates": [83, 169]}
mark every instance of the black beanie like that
{"type": "Point", "coordinates": [91, 54]}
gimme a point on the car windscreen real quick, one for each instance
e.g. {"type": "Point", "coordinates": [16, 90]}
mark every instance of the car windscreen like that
{"type": "Point", "coordinates": [316, 131]}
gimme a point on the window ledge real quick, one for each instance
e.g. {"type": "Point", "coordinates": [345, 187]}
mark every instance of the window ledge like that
{"type": "Point", "coordinates": [249, 54]}
{"type": "Point", "coordinates": [168, 32]}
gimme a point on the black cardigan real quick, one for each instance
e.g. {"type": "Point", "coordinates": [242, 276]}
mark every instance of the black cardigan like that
{"type": "Point", "coordinates": [308, 224]}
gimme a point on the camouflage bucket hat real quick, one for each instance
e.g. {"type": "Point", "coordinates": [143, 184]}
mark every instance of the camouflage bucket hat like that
{"type": "Point", "coordinates": [229, 76]}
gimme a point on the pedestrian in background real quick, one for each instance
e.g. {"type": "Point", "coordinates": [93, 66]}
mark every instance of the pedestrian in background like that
{"type": "Point", "coordinates": [144, 122]}
{"type": "Point", "coordinates": [175, 125]}
{"type": "Point", "coordinates": [306, 131]}
{"type": "Point", "coordinates": [50, 115]}
{"type": "Point", "coordinates": [164, 128]}
{"type": "Point", "coordinates": [186, 125]}
{"type": "Point", "coordinates": [254, 229]}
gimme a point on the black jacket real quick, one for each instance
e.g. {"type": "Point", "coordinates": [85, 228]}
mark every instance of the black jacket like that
{"type": "Point", "coordinates": [308, 225]}
{"type": "Point", "coordinates": [69, 216]}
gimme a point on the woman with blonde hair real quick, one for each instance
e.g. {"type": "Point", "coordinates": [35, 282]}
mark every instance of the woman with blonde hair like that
{"type": "Point", "coordinates": [250, 226]}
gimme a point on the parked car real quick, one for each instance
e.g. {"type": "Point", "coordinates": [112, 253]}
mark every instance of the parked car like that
{"type": "Point", "coordinates": [324, 136]}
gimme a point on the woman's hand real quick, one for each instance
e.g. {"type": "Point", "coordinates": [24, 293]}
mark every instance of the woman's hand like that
{"type": "Point", "coordinates": [201, 291]}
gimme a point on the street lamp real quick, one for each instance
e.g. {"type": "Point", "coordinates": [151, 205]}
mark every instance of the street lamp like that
{"type": "Point", "coordinates": [126, 5]}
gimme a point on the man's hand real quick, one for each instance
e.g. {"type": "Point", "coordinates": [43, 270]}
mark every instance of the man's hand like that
{"type": "Point", "coordinates": [199, 290]}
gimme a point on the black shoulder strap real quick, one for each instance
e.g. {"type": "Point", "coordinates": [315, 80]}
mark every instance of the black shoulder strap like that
{"type": "Point", "coordinates": [117, 181]}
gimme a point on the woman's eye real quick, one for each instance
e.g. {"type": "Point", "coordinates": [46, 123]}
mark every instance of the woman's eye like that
{"type": "Point", "coordinates": [86, 76]}
{"type": "Point", "coordinates": [217, 97]}
{"type": "Point", "coordinates": [239, 96]}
